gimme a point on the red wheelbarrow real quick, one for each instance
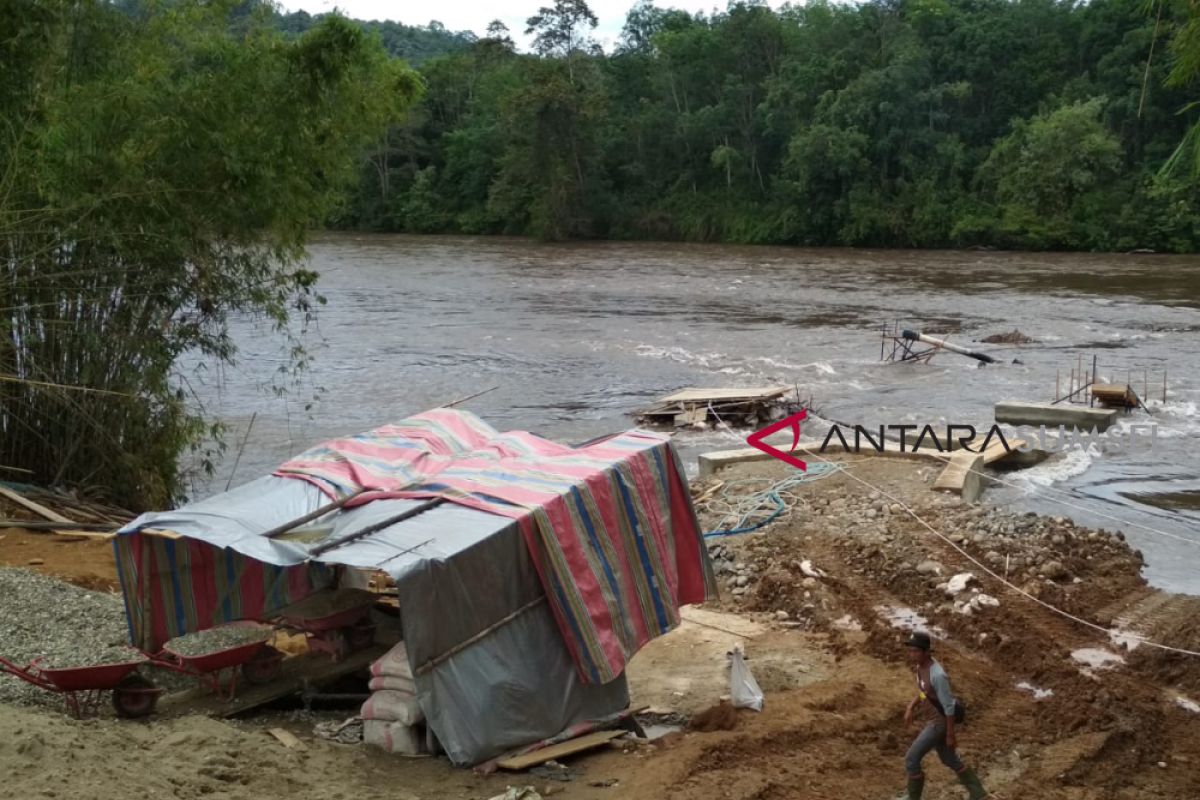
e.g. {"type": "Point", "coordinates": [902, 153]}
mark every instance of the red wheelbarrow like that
{"type": "Point", "coordinates": [82, 688]}
{"type": "Point", "coordinates": [257, 662]}
{"type": "Point", "coordinates": [338, 634]}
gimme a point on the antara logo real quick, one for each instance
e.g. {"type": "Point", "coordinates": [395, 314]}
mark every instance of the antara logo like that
{"type": "Point", "coordinates": [956, 437]}
{"type": "Point", "coordinates": [755, 439]}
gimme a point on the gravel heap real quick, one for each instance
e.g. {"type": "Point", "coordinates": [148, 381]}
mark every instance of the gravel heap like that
{"type": "Point", "coordinates": [66, 626]}
{"type": "Point", "coordinates": [216, 639]}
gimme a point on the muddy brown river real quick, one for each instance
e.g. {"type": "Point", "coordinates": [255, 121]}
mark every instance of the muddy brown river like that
{"type": "Point", "coordinates": [575, 336]}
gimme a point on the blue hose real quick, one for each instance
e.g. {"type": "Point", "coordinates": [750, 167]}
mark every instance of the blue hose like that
{"type": "Point", "coordinates": [771, 495]}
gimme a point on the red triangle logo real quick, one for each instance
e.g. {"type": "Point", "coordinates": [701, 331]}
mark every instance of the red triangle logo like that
{"type": "Point", "coordinates": [755, 439]}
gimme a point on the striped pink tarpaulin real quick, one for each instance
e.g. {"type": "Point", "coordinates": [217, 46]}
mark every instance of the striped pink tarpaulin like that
{"type": "Point", "coordinates": [610, 526]}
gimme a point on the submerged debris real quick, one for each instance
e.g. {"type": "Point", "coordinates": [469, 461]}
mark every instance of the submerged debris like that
{"type": "Point", "coordinates": [1012, 337]}
{"type": "Point", "coordinates": [63, 625]}
{"type": "Point", "coordinates": [708, 408]}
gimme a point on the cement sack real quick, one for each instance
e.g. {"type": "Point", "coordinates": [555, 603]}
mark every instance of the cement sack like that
{"type": "Point", "coordinates": [393, 707]}
{"type": "Point", "coordinates": [393, 663]}
{"type": "Point", "coordinates": [393, 737]}
{"type": "Point", "coordinates": [393, 683]}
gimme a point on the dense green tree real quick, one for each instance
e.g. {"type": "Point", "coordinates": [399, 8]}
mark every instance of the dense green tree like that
{"type": "Point", "coordinates": [885, 123]}
{"type": "Point", "coordinates": [160, 172]}
{"type": "Point", "coordinates": [1185, 73]}
{"type": "Point", "coordinates": [1052, 176]}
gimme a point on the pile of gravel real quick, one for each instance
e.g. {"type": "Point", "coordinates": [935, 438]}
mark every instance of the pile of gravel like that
{"type": "Point", "coordinates": [216, 639]}
{"type": "Point", "coordinates": [65, 626]}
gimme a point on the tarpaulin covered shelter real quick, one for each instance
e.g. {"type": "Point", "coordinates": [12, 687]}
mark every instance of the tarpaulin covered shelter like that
{"type": "Point", "coordinates": [528, 572]}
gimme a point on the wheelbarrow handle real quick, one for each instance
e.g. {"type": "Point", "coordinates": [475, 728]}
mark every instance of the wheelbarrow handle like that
{"type": "Point", "coordinates": [30, 673]}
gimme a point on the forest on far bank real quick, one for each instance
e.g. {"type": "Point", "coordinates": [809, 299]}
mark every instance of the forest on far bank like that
{"type": "Point", "coordinates": [1029, 124]}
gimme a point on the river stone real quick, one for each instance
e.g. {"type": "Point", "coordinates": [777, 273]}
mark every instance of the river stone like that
{"type": "Point", "coordinates": [929, 567]}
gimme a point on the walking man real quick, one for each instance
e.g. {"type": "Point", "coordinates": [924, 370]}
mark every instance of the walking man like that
{"type": "Point", "coordinates": [937, 705]}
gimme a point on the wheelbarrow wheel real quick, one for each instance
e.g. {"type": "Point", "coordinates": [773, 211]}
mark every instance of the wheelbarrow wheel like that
{"type": "Point", "coordinates": [135, 697]}
{"type": "Point", "coordinates": [264, 667]}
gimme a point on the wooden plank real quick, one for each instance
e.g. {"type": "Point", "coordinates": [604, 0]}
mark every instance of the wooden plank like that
{"type": "Point", "coordinates": [1115, 394]}
{"type": "Point", "coordinates": [962, 476]}
{"type": "Point", "coordinates": [588, 742]}
{"type": "Point", "coordinates": [287, 739]}
{"type": "Point", "coordinates": [998, 451]}
{"type": "Point", "coordinates": [84, 534]}
{"type": "Point", "coordinates": [693, 416]}
{"type": "Point", "coordinates": [162, 533]}
{"type": "Point", "coordinates": [701, 395]}
{"type": "Point", "coordinates": [36, 508]}
{"type": "Point", "coordinates": [47, 525]}
{"type": "Point", "coordinates": [310, 669]}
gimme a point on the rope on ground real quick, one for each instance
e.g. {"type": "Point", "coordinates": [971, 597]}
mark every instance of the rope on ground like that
{"type": "Point", "coordinates": [758, 509]}
{"type": "Point", "coordinates": [1055, 609]}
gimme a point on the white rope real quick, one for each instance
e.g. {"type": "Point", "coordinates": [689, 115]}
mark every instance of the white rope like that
{"type": "Point", "coordinates": [1128, 636]}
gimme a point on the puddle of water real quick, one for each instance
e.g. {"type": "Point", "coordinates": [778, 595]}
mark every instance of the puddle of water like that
{"type": "Point", "coordinates": [1187, 704]}
{"type": "Point", "coordinates": [1038, 694]}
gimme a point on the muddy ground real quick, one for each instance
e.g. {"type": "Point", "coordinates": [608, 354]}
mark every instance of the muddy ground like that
{"type": "Point", "coordinates": [825, 649]}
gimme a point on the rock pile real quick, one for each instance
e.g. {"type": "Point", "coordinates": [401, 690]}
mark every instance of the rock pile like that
{"type": "Point", "coordinates": [65, 626]}
{"type": "Point", "coordinates": [737, 576]}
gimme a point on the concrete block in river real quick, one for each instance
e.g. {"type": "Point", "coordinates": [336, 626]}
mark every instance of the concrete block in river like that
{"type": "Point", "coordinates": [1013, 413]}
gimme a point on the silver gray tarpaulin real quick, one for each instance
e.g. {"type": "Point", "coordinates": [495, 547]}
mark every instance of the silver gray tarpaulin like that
{"type": "Point", "coordinates": [491, 667]}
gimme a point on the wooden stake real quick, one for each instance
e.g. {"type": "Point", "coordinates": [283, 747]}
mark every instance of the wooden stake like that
{"type": "Point", "coordinates": [433, 662]}
{"type": "Point", "coordinates": [241, 448]}
{"type": "Point", "coordinates": [453, 403]}
{"type": "Point", "coordinates": [375, 528]}
{"type": "Point", "coordinates": [310, 516]}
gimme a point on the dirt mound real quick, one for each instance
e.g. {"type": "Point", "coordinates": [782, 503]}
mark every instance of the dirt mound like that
{"type": "Point", "coordinates": [721, 717]}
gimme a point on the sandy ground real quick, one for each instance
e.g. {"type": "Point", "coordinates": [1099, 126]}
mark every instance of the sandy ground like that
{"type": "Point", "coordinates": [830, 665]}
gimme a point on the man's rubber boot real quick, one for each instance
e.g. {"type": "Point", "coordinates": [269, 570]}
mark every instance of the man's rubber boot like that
{"type": "Point", "coordinates": [915, 787]}
{"type": "Point", "coordinates": [969, 779]}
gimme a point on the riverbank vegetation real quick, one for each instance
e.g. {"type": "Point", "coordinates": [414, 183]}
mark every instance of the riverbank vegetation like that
{"type": "Point", "coordinates": [897, 123]}
{"type": "Point", "coordinates": [159, 169]}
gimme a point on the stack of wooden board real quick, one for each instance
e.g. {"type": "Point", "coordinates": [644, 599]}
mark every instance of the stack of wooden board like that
{"type": "Point", "coordinates": [702, 408]}
{"type": "Point", "coordinates": [94, 520]}
{"type": "Point", "coordinates": [1115, 395]}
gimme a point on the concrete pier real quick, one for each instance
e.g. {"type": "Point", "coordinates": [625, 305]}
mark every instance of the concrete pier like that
{"type": "Point", "coordinates": [1014, 413]}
